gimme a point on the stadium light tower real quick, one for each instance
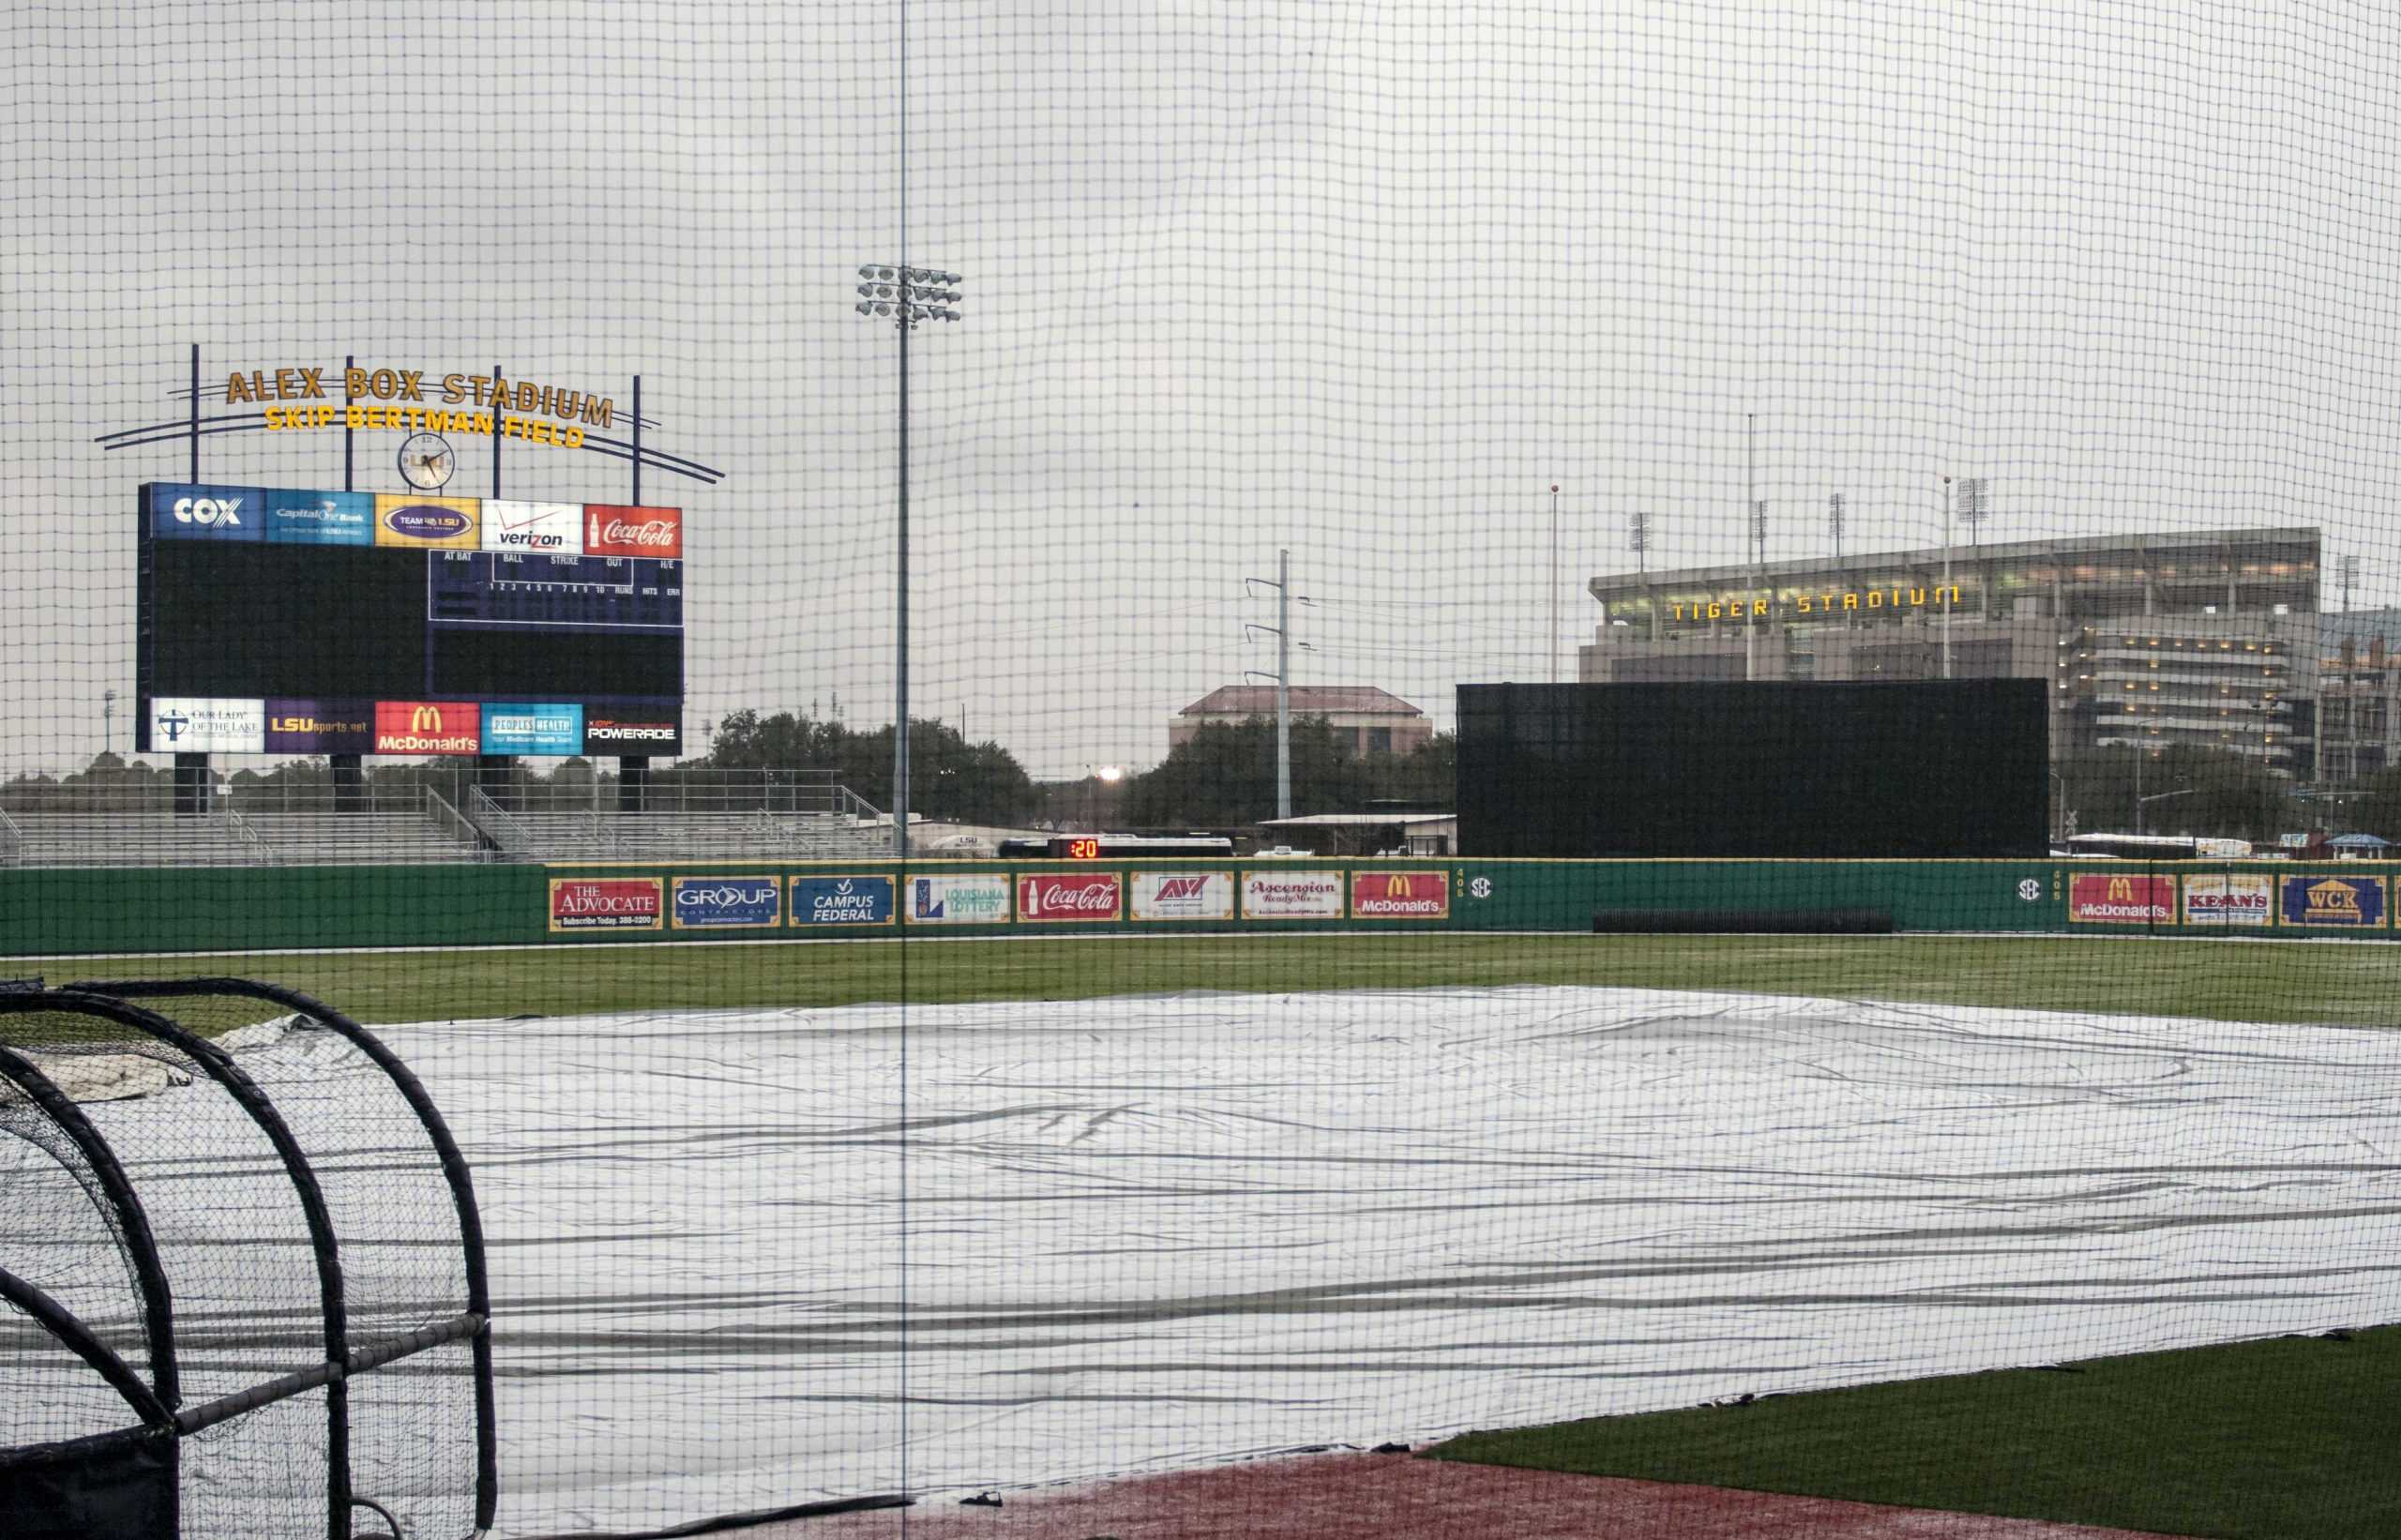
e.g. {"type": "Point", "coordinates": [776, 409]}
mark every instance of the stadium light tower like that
{"type": "Point", "coordinates": [1834, 520]}
{"type": "Point", "coordinates": [904, 295]}
{"type": "Point", "coordinates": [1975, 505]}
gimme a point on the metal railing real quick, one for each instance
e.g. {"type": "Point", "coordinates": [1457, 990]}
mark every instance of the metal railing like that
{"type": "Point", "coordinates": [505, 828]}
{"type": "Point", "coordinates": [262, 853]}
{"type": "Point", "coordinates": [12, 841]}
{"type": "Point", "coordinates": [457, 825]}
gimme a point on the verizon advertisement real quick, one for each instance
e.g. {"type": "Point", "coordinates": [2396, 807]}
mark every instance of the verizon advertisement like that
{"type": "Point", "coordinates": [1182, 895]}
{"type": "Point", "coordinates": [537, 529]}
{"type": "Point", "coordinates": [612, 530]}
{"type": "Point", "coordinates": [429, 727]}
{"type": "Point", "coordinates": [1291, 895]}
{"type": "Point", "coordinates": [1082, 896]}
{"type": "Point", "coordinates": [607, 903]}
{"type": "Point", "coordinates": [1400, 895]}
{"type": "Point", "coordinates": [2110, 898]}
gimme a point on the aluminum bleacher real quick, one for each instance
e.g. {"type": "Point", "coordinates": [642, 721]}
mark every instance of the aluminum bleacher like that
{"type": "Point", "coordinates": [132, 822]}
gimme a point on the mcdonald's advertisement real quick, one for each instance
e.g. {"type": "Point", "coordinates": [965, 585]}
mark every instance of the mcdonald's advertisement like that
{"type": "Point", "coordinates": [1400, 895]}
{"type": "Point", "coordinates": [2111, 898]}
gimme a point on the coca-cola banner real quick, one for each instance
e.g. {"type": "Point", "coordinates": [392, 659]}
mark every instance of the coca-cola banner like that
{"type": "Point", "coordinates": [611, 529]}
{"type": "Point", "coordinates": [1085, 896]}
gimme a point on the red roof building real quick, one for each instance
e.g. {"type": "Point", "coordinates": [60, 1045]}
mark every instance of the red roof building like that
{"type": "Point", "coordinates": [1369, 721]}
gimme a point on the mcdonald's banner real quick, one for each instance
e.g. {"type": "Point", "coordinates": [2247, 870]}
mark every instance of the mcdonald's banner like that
{"type": "Point", "coordinates": [429, 727]}
{"type": "Point", "coordinates": [1400, 895]}
{"type": "Point", "coordinates": [2327, 902]}
{"type": "Point", "coordinates": [2112, 898]}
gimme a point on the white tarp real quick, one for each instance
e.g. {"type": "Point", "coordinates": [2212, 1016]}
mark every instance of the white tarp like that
{"type": "Point", "coordinates": [1151, 1232]}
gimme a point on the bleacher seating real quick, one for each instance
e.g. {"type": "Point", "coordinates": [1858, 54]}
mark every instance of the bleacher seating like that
{"type": "Point", "coordinates": [590, 836]}
{"type": "Point", "coordinates": [309, 839]}
{"type": "Point", "coordinates": [130, 839]}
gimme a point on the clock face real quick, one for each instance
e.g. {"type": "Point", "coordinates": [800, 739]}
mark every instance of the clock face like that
{"type": "Point", "coordinates": [426, 461]}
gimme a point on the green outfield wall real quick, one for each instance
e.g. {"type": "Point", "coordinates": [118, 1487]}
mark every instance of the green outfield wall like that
{"type": "Point", "coordinates": [207, 909]}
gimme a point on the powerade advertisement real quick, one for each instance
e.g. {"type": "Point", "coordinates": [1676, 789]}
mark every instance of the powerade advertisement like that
{"type": "Point", "coordinates": [726, 903]}
{"type": "Point", "coordinates": [554, 729]}
{"type": "Point", "coordinates": [841, 900]}
{"type": "Point", "coordinates": [2333, 903]}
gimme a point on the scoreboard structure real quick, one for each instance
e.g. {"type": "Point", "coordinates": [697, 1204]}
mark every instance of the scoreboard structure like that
{"type": "Point", "coordinates": [293, 622]}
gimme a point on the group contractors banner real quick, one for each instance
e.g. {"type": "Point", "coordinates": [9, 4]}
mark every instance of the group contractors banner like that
{"type": "Point", "coordinates": [1279, 895]}
{"type": "Point", "coordinates": [2115, 898]}
{"type": "Point", "coordinates": [1070, 898]}
{"type": "Point", "coordinates": [607, 903]}
{"type": "Point", "coordinates": [1400, 895]}
{"type": "Point", "coordinates": [820, 901]}
{"type": "Point", "coordinates": [2329, 902]}
{"type": "Point", "coordinates": [975, 898]}
{"type": "Point", "coordinates": [727, 903]}
{"type": "Point", "coordinates": [2230, 897]}
{"type": "Point", "coordinates": [1182, 895]}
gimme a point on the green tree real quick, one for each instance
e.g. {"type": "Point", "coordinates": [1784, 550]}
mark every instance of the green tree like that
{"type": "Point", "coordinates": [1224, 776]}
{"type": "Point", "coordinates": [2213, 792]}
{"type": "Point", "coordinates": [948, 777]}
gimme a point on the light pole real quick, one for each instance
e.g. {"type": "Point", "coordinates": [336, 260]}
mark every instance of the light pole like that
{"type": "Point", "coordinates": [903, 296]}
{"type": "Point", "coordinates": [1554, 582]}
{"type": "Point", "coordinates": [108, 720]}
{"type": "Point", "coordinates": [1946, 577]}
{"type": "Point", "coordinates": [1095, 776]}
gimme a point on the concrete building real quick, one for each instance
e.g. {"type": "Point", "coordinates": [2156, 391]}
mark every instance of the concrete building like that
{"type": "Point", "coordinates": [1369, 721]}
{"type": "Point", "coordinates": [2206, 638]}
{"type": "Point", "coordinates": [2358, 673]}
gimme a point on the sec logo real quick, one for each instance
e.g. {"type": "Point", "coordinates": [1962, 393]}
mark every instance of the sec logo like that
{"type": "Point", "coordinates": [1480, 887]}
{"type": "Point", "coordinates": [2029, 890]}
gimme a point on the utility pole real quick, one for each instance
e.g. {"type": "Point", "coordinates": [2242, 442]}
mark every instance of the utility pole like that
{"type": "Point", "coordinates": [1554, 582]}
{"type": "Point", "coordinates": [1946, 577]}
{"type": "Point", "coordinates": [1283, 629]}
{"type": "Point", "coordinates": [1834, 521]}
{"type": "Point", "coordinates": [1759, 539]}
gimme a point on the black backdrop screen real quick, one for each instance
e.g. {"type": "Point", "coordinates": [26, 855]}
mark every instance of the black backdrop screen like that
{"type": "Point", "coordinates": [1955, 768]}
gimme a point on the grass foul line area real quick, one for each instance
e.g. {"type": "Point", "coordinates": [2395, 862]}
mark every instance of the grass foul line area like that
{"type": "Point", "coordinates": [2292, 1439]}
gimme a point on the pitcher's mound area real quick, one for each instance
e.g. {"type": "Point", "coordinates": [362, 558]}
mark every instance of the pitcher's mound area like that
{"type": "Point", "coordinates": [1392, 1497]}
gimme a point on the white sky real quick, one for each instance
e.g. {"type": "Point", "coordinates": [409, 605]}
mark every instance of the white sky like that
{"type": "Point", "coordinates": [1361, 280]}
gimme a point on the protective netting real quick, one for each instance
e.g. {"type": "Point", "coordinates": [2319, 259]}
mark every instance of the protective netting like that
{"type": "Point", "coordinates": [1593, 710]}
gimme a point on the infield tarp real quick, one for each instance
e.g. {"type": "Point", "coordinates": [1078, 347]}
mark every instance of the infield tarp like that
{"type": "Point", "coordinates": [1145, 1233]}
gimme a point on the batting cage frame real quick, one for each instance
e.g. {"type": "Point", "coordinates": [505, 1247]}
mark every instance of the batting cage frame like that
{"type": "Point", "coordinates": [146, 1479]}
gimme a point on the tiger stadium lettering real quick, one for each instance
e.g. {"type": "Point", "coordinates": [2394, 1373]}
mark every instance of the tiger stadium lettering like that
{"type": "Point", "coordinates": [1082, 896]}
{"type": "Point", "coordinates": [726, 903]}
{"type": "Point", "coordinates": [2324, 901]}
{"type": "Point", "coordinates": [1400, 895]}
{"type": "Point", "coordinates": [1182, 895]}
{"type": "Point", "coordinates": [2109, 897]}
{"type": "Point", "coordinates": [607, 903]}
{"type": "Point", "coordinates": [849, 900]}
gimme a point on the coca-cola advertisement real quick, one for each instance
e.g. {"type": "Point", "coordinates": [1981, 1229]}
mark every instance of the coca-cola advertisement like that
{"type": "Point", "coordinates": [1085, 896]}
{"type": "Point", "coordinates": [611, 529]}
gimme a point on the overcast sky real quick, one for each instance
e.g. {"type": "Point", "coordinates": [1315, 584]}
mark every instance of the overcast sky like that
{"type": "Point", "coordinates": [1361, 280]}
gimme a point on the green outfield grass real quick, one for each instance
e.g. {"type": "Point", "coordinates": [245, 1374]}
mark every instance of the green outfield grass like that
{"type": "Point", "coordinates": [2353, 983]}
{"type": "Point", "coordinates": [2284, 1439]}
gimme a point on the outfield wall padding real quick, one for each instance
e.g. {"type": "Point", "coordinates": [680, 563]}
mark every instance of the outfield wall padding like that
{"type": "Point", "coordinates": [87, 912]}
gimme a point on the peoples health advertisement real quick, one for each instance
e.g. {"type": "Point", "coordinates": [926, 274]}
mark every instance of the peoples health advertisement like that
{"type": "Point", "coordinates": [842, 900]}
{"type": "Point", "coordinates": [541, 730]}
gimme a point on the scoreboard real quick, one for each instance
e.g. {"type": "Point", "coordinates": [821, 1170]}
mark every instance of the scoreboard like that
{"type": "Point", "coordinates": [274, 621]}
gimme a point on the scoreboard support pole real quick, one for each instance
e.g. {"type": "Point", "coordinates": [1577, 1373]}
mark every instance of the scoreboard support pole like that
{"type": "Point", "coordinates": [191, 785]}
{"type": "Point", "coordinates": [633, 782]}
{"type": "Point", "coordinates": [350, 782]}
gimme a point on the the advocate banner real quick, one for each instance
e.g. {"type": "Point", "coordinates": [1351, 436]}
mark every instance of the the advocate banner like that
{"type": "Point", "coordinates": [1281, 895]}
{"type": "Point", "coordinates": [979, 899]}
{"type": "Point", "coordinates": [1089, 896]}
{"type": "Point", "coordinates": [841, 900]}
{"type": "Point", "coordinates": [606, 903]}
{"type": "Point", "coordinates": [2237, 898]}
{"type": "Point", "coordinates": [1182, 895]}
{"type": "Point", "coordinates": [2115, 898]}
{"type": "Point", "coordinates": [2329, 902]}
{"type": "Point", "coordinates": [726, 903]}
{"type": "Point", "coordinates": [1400, 895]}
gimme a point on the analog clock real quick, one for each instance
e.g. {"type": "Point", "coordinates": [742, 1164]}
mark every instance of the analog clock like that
{"type": "Point", "coordinates": [426, 461]}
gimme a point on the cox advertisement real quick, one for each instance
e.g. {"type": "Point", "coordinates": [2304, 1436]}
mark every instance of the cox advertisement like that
{"type": "Point", "coordinates": [429, 727]}
{"type": "Point", "coordinates": [1291, 895]}
{"type": "Point", "coordinates": [606, 903]}
{"type": "Point", "coordinates": [976, 899]}
{"type": "Point", "coordinates": [1400, 895]}
{"type": "Point", "coordinates": [2333, 903]}
{"type": "Point", "coordinates": [321, 519]}
{"type": "Point", "coordinates": [181, 511]}
{"type": "Point", "coordinates": [2121, 898]}
{"type": "Point", "coordinates": [428, 524]}
{"type": "Point", "coordinates": [188, 725]}
{"type": "Point", "coordinates": [554, 729]}
{"type": "Point", "coordinates": [841, 900]}
{"type": "Point", "coordinates": [1182, 895]}
{"type": "Point", "coordinates": [1082, 896]}
{"type": "Point", "coordinates": [726, 903]}
{"type": "Point", "coordinates": [320, 727]}
{"type": "Point", "coordinates": [2229, 898]}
